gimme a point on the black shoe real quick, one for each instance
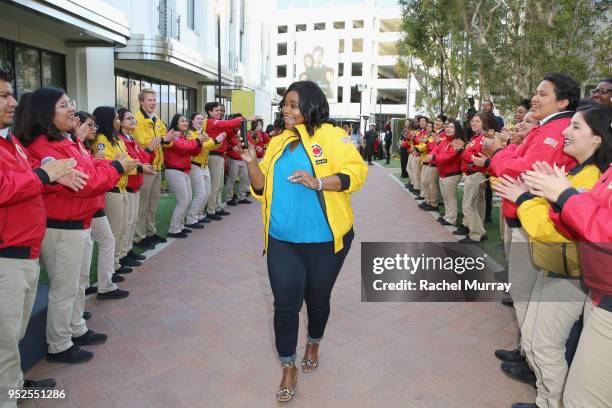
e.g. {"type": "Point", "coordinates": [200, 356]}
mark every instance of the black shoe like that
{"type": "Point", "coordinates": [123, 270]}
{"type": "Point", "coordinates": [214, 217]}
{"type": "Point", "coordinates": [507, 301]}
{"type": "Point", "coordinates": [114, 294]}
{"type": "Point", "coordinates": [370, 164]}
{"type": "Point", "coordinates": [117, 278]}
{"type": "Point", "coordinates": [462, 230]}
{"type": "Point", "coordinates": [87, 315]}
{"type": "Point", "coordinates": [244, 201]}
{"type": "Point", "coordinates": [135, 256]}
{"type": "Point", "coordinates": [156, 239]}
{"type": "Point", "coordinates": [177, 235]}
{"type": "Point", "coordinates": [511, 356]}
{"type": "Point", "coordinates": [520, 372]}
{"type": "Point", "coordinates": [223, 213]}
{"type": "Point", "coordinates": [423, 204]}
{"type": "Point", "coordinates": [91, 290]}
{"type": "Point", "coordinates": [418, 197]}
{"type": "Point", "coordinates": [126, 261]}
{"type": "Point", "coordinates": [195, 226]}
{"type": "Point", "coordinates": [428, 207]}
{"type": "Point", "coordinates": [444, 222]}
{"type": "Point", "coordinates": [186, 231]}
{"type": "Point", "coordinates": [90, 338]}
{"type": "Point", "coordinates": [46, 383]}
{"type": "Point", "coordinates": [440, 219]}
{"type": "Point", "coordinates": [523, 405]}
{"type": "Point", "coordinates": [73, 355]}
{"type": "Point", "coordinates": [468, 240]}
{"type": "Point", "coordinates": [204, 220]}
{"type": "Point", "coordinates": [145, 244]}
{"type": "Point", "coordinates": [232, 202]}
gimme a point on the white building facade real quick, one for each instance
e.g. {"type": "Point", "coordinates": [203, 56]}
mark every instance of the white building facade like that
{"type": "Point", "coordinates": [104, 52]}
{"type": "Point", "coordinates": [363, 33]}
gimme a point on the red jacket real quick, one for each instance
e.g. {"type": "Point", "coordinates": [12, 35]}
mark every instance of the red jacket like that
{"type": "Point", "coordinates": [543, 143]}
{"type": "Point", "coordinates": [233, 141]}
{"type": "Point", "coordinates": [260, 140]}
{"type": "Point", "coordinates": [474, 147]}
{"type": "Point", "coordinates": [63, 204]}
{"type": "Point", "coordinates": [135, 151]}
{"type": "Point", "coordinates": [22, 211]}
{"type": "Point", "coordinates": [447, 159]}
{"type": "Point", "coordinates": [588, 218]}
{"type": "Point", "coordinates": [178, 154]}
{"type": "Point", "coordinates": [216, 126]}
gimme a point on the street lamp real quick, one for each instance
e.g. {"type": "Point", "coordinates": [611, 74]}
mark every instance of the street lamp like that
{"type": "Point", "coordinates": [219, 9]}
{"type": "Point", "coordinates": [361, 88]}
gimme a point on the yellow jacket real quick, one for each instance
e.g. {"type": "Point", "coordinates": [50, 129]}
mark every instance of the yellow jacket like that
{"type": "Point", "coordinates": [330, 152]}
{"type": "Point", "coordinates": [546, 242]}
{"type": "Point", "coordinates": [207, 146]}
{"type": "Point", "coordinates": [146, 131]}
{"type": "Point", "coordinates": [111, 150]}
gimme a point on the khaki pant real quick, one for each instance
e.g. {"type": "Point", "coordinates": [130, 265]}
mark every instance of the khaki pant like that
{"type": "Point", "coordinates": [101, 233]}
{"type": "Point", "coordinates": [424, 176]}
{"type": "Point", "coordinates": [555, 305]}
{"type": "Point", "coordinates": [216, 165]}
{"type": "Point", "coordinates": [474, 205]}
{"type": "Point", "coordinates": [237, 169]}
{"type": "Point", "coordinates": [18, 283]}
{"type": "Point", "coordinates": [117, 214]}
{"type": "Point", "coordinates": [432, 190]}
{"type": "Point", "coordinates": [522, 274]}
{"type": "Point", "coordinates": [590, 377]}
{"type": "Point", "coordinates": [200, 186]}
{"type": "Point", "coordinates": [448, 187]}
{"type": "Point", "coordinates": [150, 193]}
{"type": "Point", "coordinates": [67, 256]}
{"type": "Point", "coordinates": [132, 219]}
{"type": "Point", "coordinates": [181, 185]}
{"type": "Point", "coordinates": [414, 164]}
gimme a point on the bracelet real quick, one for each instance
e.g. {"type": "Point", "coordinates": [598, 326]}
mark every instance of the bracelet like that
{"type": "Point", "coordinates": [320, 186]}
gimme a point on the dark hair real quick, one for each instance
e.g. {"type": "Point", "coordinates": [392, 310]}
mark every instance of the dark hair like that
{"type": "Point", "coordinates": [442, 117]}
{"type": "Point", "coordinates": [191, 118]}
{"type": "Point", "coordinates": [235, 115]}
{"type": "Point", "coordinates": [121, 113]}
{"type": "Point", "coordinates": [83, 116]}
{"type": "Point", "coordinates": [312, 104]}
{"type": "Point", "coordinates": [5, 75]}
{"type": "Point", "coordinates": [418, 119]}
{"type": "Point", "coordinates": [608, 80]}
{"type": "Point", "coordinates": [23, 114]}
{"type": "Point", "coordinates": [459, 134]}
{"type": "Point", "coordinates": [566, 87]}
{"type": "Point", "coordinates": [255, 123]}
{"type": "Point", "coordinates": [488, 100]}
{"type": "Point", "coordinates": [175, 121]}
{"type": "Point", "coordinates": [488, 120]}
{"type": "Point", "coordinates": [269, 128]}
{"type": "Point", "coordinates": [210, 106]}
{"type": "Point", "coordinates": [599, 119]}
{"type": "Point", "coordinates": [42, 111]}
{"type": "Point", "coordinates": [525, 103]}
{"type": "Point", "coordinates": [105, 116]}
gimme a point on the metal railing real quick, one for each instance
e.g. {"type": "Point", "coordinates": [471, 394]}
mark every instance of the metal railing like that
{"type": "Point", "coordinates": [169, 21]}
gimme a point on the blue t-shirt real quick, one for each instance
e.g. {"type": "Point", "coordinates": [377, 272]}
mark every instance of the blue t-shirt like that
{"type": "Point", "coordinates": [296, 214]}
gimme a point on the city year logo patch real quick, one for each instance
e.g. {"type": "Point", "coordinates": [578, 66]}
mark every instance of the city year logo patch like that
{"type": "Point", "coordinates": [317, 151]}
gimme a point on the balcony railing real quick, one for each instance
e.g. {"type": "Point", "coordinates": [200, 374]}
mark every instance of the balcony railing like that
{"type": "Point", "coordinates": [169, 21]}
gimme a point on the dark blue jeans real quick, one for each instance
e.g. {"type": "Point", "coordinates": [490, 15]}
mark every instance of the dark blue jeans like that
{"type": "Point", "coordinates": [298, 273]}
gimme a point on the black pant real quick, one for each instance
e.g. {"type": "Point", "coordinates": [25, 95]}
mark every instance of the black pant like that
{"type": "Point", "coordinates": [404, 161]}
{"type": "Point", "coordinates": [298, 273]}
{"type": "Point", "coordinates": [488, 201]}
{"type": "Point", "coordinates": [369, 151]}
{"type": "Point", "coordinates": [388, 151]}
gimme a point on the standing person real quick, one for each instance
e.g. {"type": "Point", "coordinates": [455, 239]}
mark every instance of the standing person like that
{"type": "Point", "coordinates": [304, 183]}
{"type": "Point", "coordinates": [521, 110]}
{"type": "Point", "coordinates": [148, 133]}
{"type": "Point", "coordinates": [178, 151]}
{"type": "Point", "coordinates": [21, 199]}
{"type": "Point", "coordinates": [432, 179]}
{"type": "Point", "coordinates": [405, 144]}
{"type": "Point", "coordinates": [357, 139]}
{"type": "Point", "coordinates": [237, 169]}
{"type": "Point", "coordinates": [67, 247]}
{"type": "Point", "coordinates": [602, 93]}
{"type": "Point", "coordinates": [370, 138]}
{"type": "Point", "coordinates": [388, 141]}
{"type": "Point", "coordinates": [487, 106]}
{"type": "Point", "coordinates": [260, 139]}
{"type": "Point", "coordinates": [447, 159]}
{"type": "Point", "coordinates": [418, 143]}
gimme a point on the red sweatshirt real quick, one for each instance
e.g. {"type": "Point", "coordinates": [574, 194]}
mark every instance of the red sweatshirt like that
{"type": "Point", "coordinates": [216, 126]}
{"type": "Point", "coordinates": [447, 159]}
{"type": "Point", "coordinates": [135, 151]}
{"type": "Point", "coordinates": [473, 148]}
{"type": "Point", "coordinates": [260, 140]}
{"type": "Point", "coordinates": [543, 143]}
{"type": "Point", "coordinates": [178, 155]}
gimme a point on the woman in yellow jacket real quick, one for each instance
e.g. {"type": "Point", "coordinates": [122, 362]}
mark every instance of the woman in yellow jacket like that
{"type": "Point", "coordinates": [304, 183]}
{"type": "Point", "coordinates": [110, 145]}
{"type": "Point", "coordinates": [557, 299]}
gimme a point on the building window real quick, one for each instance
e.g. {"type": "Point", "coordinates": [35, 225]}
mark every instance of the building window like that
{"type": "Point", "coordinates": [357, 44]}
{"type": "Point", "coordinates": [190, 14]}
{"type": "Point", "coordinates": [281, 71]}
{"type": "Point", "coordinates": [341, 46]}
{"type": "Point", "coordinates": [339, 94]}
{"type": "Point", "coordinates": [319, 26]}
{"type": "Point", "coordinates": [281, 91]}
{"type": "Point", "coordinates": [339, 25]}
{"type": "Point", "coordinates": [341, 69]}
{"type": "Point", "coordinates": [281, 49]}
{"type": "Point", "coordinates": [357, 23]}
{"type": "Point", "coordinates": [282, 29]}
{"type": "Point", "coordinates": [300, 27]}
{"type": "Point", "coordinates": [355, 95]}
{"type": "Point", "coordinates": [357, 69]}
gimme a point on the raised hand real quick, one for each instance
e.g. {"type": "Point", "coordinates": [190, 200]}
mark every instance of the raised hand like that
{"type": "Point", "coordinates": [74, 180]}
{"type": "Point", "coordinates": [509, 188]}
{"type": "Point", "coordinates": [549, 186]}
{"type": "Point", "coordinates": [58, 168]}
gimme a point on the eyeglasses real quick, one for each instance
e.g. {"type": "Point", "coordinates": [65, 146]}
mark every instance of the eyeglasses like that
{"type": "Point", "coordinates": [601, 91]}
{"type": "Point", "coordinates": [93, 126]}
{"type": "Point", "coordinates": [67, 104]}
{"type": "Point", "coordinates": [132, 121]}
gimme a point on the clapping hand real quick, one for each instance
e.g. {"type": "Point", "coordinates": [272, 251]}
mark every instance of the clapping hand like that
{"type": "Point", "coordinates": [547, 182]}
{"type": "Point", "coordinates": [509, 188]}
{"type": "Point", "coordinates": [479, 160]}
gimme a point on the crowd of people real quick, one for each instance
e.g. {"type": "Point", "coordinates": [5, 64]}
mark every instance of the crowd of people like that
{"type": "Point", "coordinates": [71, 178]}
{"type": "Point", "coordinates": [552, 168]}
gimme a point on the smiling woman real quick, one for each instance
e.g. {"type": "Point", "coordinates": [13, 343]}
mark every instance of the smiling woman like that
{"type": "Point", "coordinates": [304, 183]}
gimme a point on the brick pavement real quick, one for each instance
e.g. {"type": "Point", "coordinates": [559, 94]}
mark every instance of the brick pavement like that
{"type": "Point", "coordinates": [197, 331]}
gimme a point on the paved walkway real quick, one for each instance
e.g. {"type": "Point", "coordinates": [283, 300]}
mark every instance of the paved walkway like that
{"type": "Point", "coordinates": [197, 331]}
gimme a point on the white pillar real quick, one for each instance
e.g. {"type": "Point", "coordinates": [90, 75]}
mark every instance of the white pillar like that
{"type": "Point", "coordinates": [90, 76]}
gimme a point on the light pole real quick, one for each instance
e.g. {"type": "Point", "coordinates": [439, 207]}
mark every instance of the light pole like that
{"type": "Point", "coordinates": [361, 88]}
{"type": "Point", "coordinates": [219, 8]}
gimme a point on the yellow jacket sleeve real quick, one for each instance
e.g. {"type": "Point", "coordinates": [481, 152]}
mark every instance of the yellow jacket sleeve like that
{"type": "Point", "coordinates": [103, 145]}
{"type": "Point", "coordinates": [348, 161]}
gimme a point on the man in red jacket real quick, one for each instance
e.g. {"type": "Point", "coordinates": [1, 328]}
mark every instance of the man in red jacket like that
{"type": "Point", "coordinates": [237, 169]}
{"type": "Point", "coordinates": [22, 228]}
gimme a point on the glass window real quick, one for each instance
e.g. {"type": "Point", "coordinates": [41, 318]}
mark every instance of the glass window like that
{"type": "Point", "coordinates": [281, 71]}
{"type": "Point", "coordinates": [357, 44]}
{"type": "Point", "coordinates": [171, 101]}
{"type": "Point", "coordinates": [6, 56]}
{"type": "Point", "coordinates": [121, 92]}
{"type": "Point", "coordinates": [339, 25]}
{"type": "Point", "coordinates": [341, 46]}
{"type": "Point", "coordinates": [180, 108]}
{"type": "Point", "coordinates": [355, 95]}
{"type": "Point", "coordinates": [339, 94]}
{"type": "Point", "coordinates": [190, 14]}
{"type": "Point", "coordinates": [300, 27]}
{"type": "Point", "coordinates": [27, 69]}
{"type": "Point", "coordinates": [281, 49]}
{"type": "Point", "coordinates": [357, 69]}
{"type": "Point", "coordinates": [341, 69]}
{"type": "Point", "coordinates": [282, 29]}
{"type": "Point", "coordinates": [357, 23]}
{"type": "Point", "coordinates": [319, 26]}
{"type": "Point", "coordinates": [52, 70]}
{"type": "Point", "coordinates": [144, 84]}
{"type": "Point", "coordinates": [157, 89]}
{"type": "Point", "coordinates": [163, 102]}
{"type": "Point", "coordinates": [134, 91]}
